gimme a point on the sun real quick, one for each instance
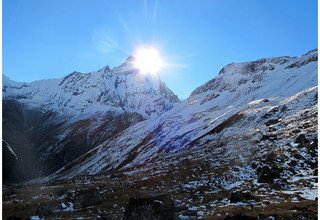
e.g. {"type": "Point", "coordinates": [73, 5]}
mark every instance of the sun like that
{"type": "Point", "coordinates": [147, 60]}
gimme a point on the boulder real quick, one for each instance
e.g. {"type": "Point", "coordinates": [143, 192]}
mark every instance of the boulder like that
{"type": "Point", "coordinates": [269, 137]}
{"type": "Point", "coordinates": [272, 122]}
{"type": "Point", "coordinates": [297, 156]}
{"type": "Point", "coordinates": [301, 139]}
{"type": "Point", "coordinates": [153, 207]}
{"type": "Point", "coordinates": [293, 163]}
{"type": "Point", "coordinates": [267, 174]}
{"type": "Point", "coordinates": [241, 197]}
{"type": "Point", "coordinates": [290, 169]}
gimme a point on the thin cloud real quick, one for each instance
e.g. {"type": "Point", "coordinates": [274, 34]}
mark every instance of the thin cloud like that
{"type": "Point", "coordinates": [123, 23]}
{"type": "Point", "coordinates": [155, 11]}
{"type": "Point", "coordinates": [145, 9]}
{"type": "Point", "coordinates": [104, 41]}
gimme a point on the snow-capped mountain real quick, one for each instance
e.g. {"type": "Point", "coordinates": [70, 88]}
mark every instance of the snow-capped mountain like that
{"type": "Point", "coordinates": [60, 119]}
{"type": "Point", "coordinates": [120, 90]}
{"type": "Point", "coordinates": [243, 146]}
{"type": "Point", "coordinates": [241, 90]}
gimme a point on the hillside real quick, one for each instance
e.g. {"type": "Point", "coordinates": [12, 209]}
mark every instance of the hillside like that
{"type": "Point", "coordinates": [242, 146]}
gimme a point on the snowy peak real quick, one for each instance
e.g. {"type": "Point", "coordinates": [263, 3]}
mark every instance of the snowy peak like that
{"type": "Point", "coordinates": [311, 53]}
{"type": "Point", "coordinates": [105, 69]}
{"type": "Point", "coordinates": [126, 67]}
{"type": "Point", "coordinates": [311, 56]}
{"type": "Point", "coordinates": [253, 67]}
{"type": "Point", "coordinates": [145, 91]}
{"type": "Point", "coordinates": [246, 74]}
{"type": "Point", "coordinates": [120, 90]}
{"type": "Point", "coordinates": [265, 64]}
{"type": "Point", "coordinates": [6, 81]}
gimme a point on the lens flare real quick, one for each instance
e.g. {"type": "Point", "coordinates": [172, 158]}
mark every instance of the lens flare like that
{"type": "Point", "coordinates": [147, 60]}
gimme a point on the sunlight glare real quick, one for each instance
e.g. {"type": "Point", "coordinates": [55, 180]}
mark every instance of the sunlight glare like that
{"type": "Point", "coordinates": [147, 60]}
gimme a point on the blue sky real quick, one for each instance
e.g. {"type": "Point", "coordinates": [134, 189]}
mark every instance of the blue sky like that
{"type": "Point", "coordinates": [50, 39]}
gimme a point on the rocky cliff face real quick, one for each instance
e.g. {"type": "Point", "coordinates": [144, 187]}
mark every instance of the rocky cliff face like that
{"type": "Point", "coordinates": [9, 162]}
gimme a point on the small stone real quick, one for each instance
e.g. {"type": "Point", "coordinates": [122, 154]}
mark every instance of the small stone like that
{"type": "Point", "coordinates": [315, 172]}
{"type": "Point", "coordinates": [272, 122]}
{"type": "Point", "coordinates": [301, 139]}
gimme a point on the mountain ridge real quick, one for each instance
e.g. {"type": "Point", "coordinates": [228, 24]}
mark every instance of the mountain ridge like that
{"type": "Point", "coordinates": [244, 142]}
{"type": "Point", "coordinates": [236, 85]}
{"type": "Point", "coordinates": [108, 88]}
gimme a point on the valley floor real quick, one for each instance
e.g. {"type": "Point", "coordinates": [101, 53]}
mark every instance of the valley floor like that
{"type": "Point", "coordinates": [106, 197]}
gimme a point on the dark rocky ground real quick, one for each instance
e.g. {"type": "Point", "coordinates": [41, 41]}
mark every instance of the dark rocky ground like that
{"type": "Point", "coordinates": [108, 197]}
{"type": "Point", "coordinates": [270, 172]}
